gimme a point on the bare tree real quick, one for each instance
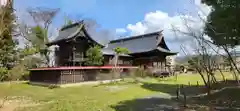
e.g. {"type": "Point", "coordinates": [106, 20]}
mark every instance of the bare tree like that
{"type": "Point", "coordinates": [39, 34]}
{"type": "Point", "coordinates": [43, 16]}
{"type": "Point", "coordinates": [225, 47]}
{"type": "Point", "coordinates": [202, 62]}
{"type": "Point", "coordinates": [203, 43]}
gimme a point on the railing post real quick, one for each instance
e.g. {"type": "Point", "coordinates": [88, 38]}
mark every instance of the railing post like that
{"type": "Point", "coordinates": [185, 100]}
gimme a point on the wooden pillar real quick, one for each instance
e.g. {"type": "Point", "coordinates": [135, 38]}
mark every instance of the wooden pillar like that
{"type": "Point", "coordinates": [61, 77]}
{"type": "Point", "coordinates": [165, 64]}
{"type": "Point", "coordinates": [110, 60]}
{"type": "Point", "coordinates": [161, 66]}
{"type": "Point", "coordinates": [74, 75]}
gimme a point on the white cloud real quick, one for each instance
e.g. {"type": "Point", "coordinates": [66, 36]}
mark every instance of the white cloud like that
{"type": "Point", "coordinates": [159, 20]}
{"type": "Point", "coordinates": [138, 28]}
{"type": "Point", "coordinates": [3, 2]}
{"type": "Point", "coordinates": [120, 30]}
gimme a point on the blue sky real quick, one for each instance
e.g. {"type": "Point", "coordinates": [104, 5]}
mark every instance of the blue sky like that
{"type": "Point", "coordinates": [110, 14]}
{"type": "Point", "coordinates": [131, 16]}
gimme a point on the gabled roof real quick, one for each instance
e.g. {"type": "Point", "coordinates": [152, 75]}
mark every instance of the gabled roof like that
{"type": "Point", "coordinates": [141, 43]}
{"type": "Point", "coordinates": [71, 31]}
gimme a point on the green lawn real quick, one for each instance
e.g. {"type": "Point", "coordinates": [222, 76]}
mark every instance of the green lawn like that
{"type": "Point", "coordinates": [92, 98]}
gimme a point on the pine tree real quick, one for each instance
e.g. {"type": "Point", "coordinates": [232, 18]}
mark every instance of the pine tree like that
{"type": "Point", "coordinates": [7, 43]}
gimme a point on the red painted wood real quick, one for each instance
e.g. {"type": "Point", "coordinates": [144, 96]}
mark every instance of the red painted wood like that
{"type": "Point", "coordinates": [82, 67]}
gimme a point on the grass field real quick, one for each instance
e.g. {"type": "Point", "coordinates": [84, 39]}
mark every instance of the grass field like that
{"type": "Point", "coordinates": [121, 96]}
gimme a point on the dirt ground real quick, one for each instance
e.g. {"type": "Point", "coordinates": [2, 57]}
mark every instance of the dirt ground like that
{"type": "Point", "coordinates": [12, 103]}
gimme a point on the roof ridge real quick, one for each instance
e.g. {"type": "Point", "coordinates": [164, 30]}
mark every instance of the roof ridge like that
{"type": "Point", "coordinates": [71, 25]}
{"type": "Point", "coordinates": [89, 35]}
{"type": "Point", "coordinates": [76, 32]}
{"type": "Point", "coordinates": [136, 36]}
{"type": "Point", "coordinates": [69, 36]}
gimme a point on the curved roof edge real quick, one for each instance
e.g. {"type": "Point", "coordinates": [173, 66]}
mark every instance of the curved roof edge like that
{"type": "Point", "coordinates": [162, 40]}
{"type": "Point", "coordinates": [71, 25]}
{"type": "Point", "coordinates": [71, 36]}
{"type": "Point", "coordinates": [54, 42]}
{"type": "Point", "coordinates": [112, 53]}
{"type": "Point", "coordinates": [136, 36]}
{"type": "Point", "coordinates": [168, 52]}
{"type": "Point", "coordinates": [98, 43]}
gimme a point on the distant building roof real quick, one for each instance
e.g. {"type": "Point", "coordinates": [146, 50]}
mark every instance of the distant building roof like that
{"type": "Point", "coordinates": [235, 53]}
{"type": "Point", "coordinates": [141, 43]}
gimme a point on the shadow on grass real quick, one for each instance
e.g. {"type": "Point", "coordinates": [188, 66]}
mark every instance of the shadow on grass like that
{"type": "Point", "coordinates": [147, 104]}
{"type": "Point", "coordinates": [172, 88]}
{"type": "Point", "coordinates": [190, 90]}
{"type": "Point", "coordinates": [224, 100]}
{"type": "Point", "coordinates": [228, 99]}
{"type": "Point", "coordinates": [156, 104]}
{"type": "Point", "coordinates": [222, 84]}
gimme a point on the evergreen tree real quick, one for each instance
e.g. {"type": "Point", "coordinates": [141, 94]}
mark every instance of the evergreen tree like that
{"type": "Point", "coordinates": [223, 25]}
{"type": "Point", "coordinates": [94, 56]}
{"type": "Point", "coordinates": [7, 43]}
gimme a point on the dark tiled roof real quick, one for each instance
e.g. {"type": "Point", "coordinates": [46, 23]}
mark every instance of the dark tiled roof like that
{"type": "Point", "coordinates": [166, 51]}
{"type": "Point", "coordinates": [139, 44]}
{"type": "Point", "coordinates": [67, 33]}
{"type": "Point", "coordinates": [106, 51]}
{"type": "Point", "coordinates": [111, 52]}
{"type": "Point", "coordinates": [71, 31]}
{"type": "Point", "coordinates": [135, 44]}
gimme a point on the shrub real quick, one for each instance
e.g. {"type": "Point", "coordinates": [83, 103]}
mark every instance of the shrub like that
{"type": "Point", "coordinates": [25, 75]}
{"type": "Point", "coordinates": [3, 73]}
{"type": "Point", "coordinates": [17, 72]}
{"type": "Point", "coordinates": [141, 72]}
{"type": "Point", "coordinates": [135, 73]}
{"type": "Point", "coordinates": [94, 56]}
{"type": "Point", "coordinates": [52, 86]}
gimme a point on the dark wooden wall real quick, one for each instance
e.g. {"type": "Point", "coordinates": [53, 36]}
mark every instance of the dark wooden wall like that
{"type": "Point", "coordinates": [122, 60]}
{"type": "Point", "coordinates": [72, 53]}
{"type": "Point", "coordinates": [63, 54]}
{"type": "Point", "coordinates": [73, 76]}
{"type": "Point", "coordinates": [45, 76]}
{"type": "Point", "coordinates": [155, 62]}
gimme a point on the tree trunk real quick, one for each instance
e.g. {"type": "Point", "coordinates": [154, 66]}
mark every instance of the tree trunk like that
{"type": "Point", "coordinates": [208, 85]}
{"type": "Point", "coordinates": [214, 80]}
{"type": "Point", "coordinates": [205, 82]}
{"type": "Point", "coordinates": [115, 66]}
{"type": "Point", "coordinates": [47, 60]}
{"type": "Point", "coordinates": [232, 64]}
{"type": "Point", "coordinates": [116, 60]}
{"type": "Point", "coordinates": [223, 77]}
